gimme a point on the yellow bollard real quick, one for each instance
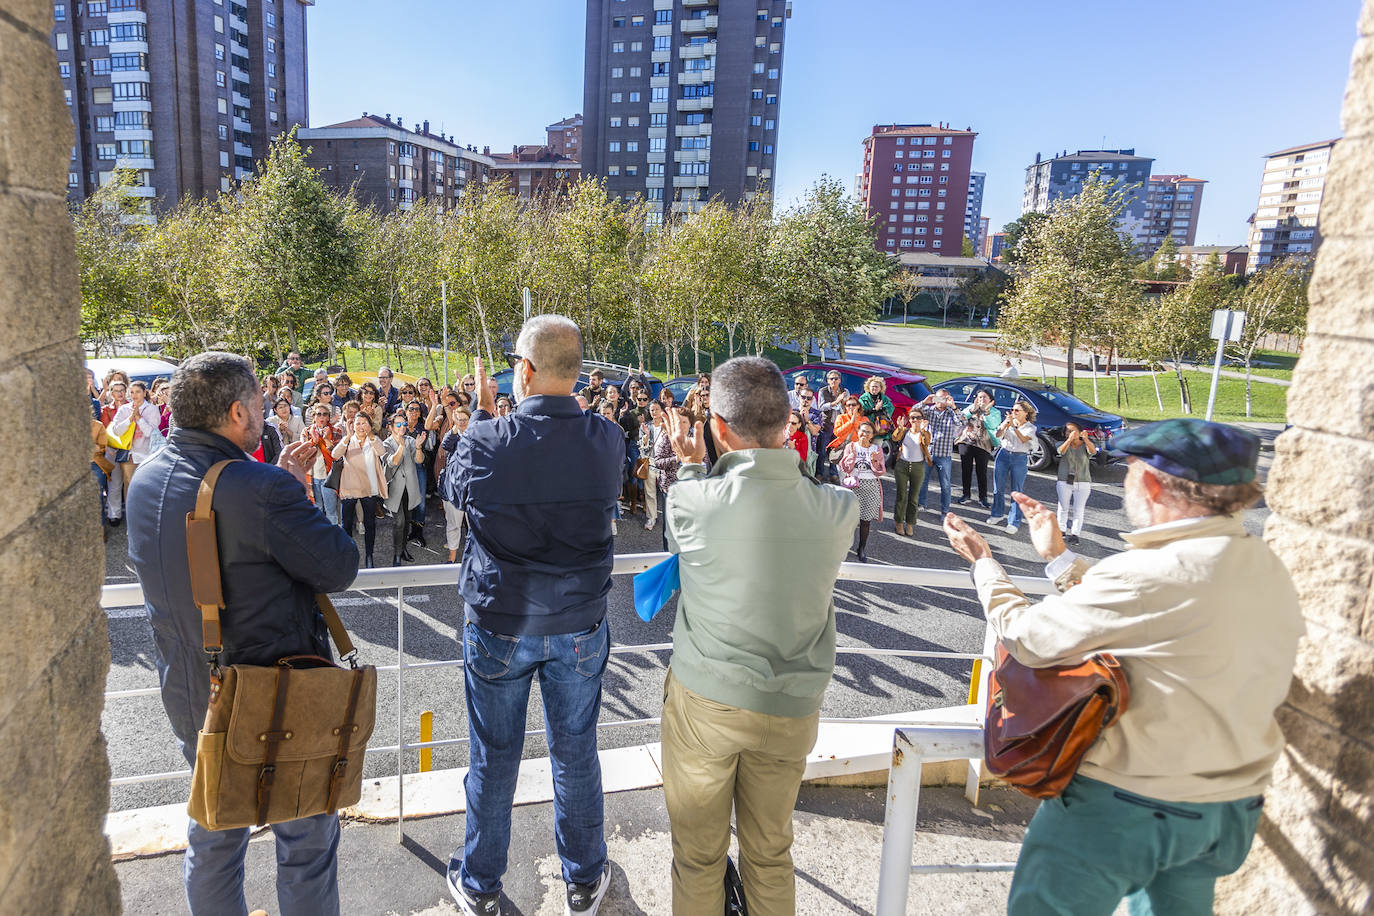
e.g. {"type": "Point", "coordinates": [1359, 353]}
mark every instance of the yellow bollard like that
{"type": "Point", "coordinates": [973, 682]}
{"type": "Point", "coordinates": [426, 735]}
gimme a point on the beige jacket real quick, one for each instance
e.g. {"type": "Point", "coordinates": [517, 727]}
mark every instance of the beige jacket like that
{"type": "Point", "coordinates": [353, 481]}
{"type": "Point", "coordinates": [1205, 621]}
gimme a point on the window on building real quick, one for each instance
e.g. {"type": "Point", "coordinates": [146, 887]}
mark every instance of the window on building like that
{"type": "Point", "coordinates": [64, 70]}
{"type": "Point", "coordinates": [663, 43]}
{"type": "Point", "coordinates": [615, 122]}
{"type": "Point", "coordinates": [658, 94]}
{"type": "Point", "coordinates": [656, 168]}
{"type": "Point", "coordinates": [636, 46]}
{"type": "Point", "coordinates": [129, 62]}
{"type": "Point", "coordinates": [632, 121]}
{"type": "Point", "coordinates": [133, 120]}
{"type": "Point", "coordinates": [612, 170]}
{"type": "Point", "coordinates": [944, 166]}
{"type": "Point", "coordinates": [271, 94]}
{"type": "Point", "coordinates": [658, 144]}
{"type": "Point", "coordinates": [223, 132]}
{"type": "Point", "coordinates": [662, 17]}
{"type": "Point", "coordinates": [104, 123]}
{"type": "Point", "coordinates": [755, 120]}
{"type": "Point", "coordinates": [753, 146]}
{"type": "Point", "coordinates": [61, 41]}
{"type": "Point", "coordinates": [768, 149]}
{"type": "Point", "coordinates": [273, 116]}
{"type": "Point", "coordinates": [636, 71]}
{"type": "Point", "coordinates": [219, 24]}
{"type": "Point", "coordinates": [271, 20]}
{"type": "Point", "coordinates": [946, 153]}
{"type": "Point", "coordinates": [219, 51]}
{"type": "Point", "coordinates": [104, 151]}
{"type": "Point", "coordinates": [617, 96]}
{"type": "Point", "coordinates": [219, 78]}
{"type": "Point", "coordinates": [634, 96]}
{"type": "Point", "coordinates": [770, 124]}
{"type": "Point", "coordinates": [763, 15]}
{"type": "Point", "coordinates": [632, 170]}
{"type": "Point", "coordinates": [617, 72]}
{"type": "Point", "coordinates": [777, 22]}
{"type": "Point", "coordinates": [636, 20]}
{"type": "Point", "coordinates": [59, 12]}
{"type": "Point", "coordinates": [223, 105]}
{"type": "Point", "coordinates": [772, 98]}
{"type": "Point", "coordinates": [129, 31]}
{"type": "Point", "coordinates": [760, 42]}
{"type": "Point", "coordinates": [896, 192]}
{"type": "Point", "coordinates": [658, 119]}
{"type": "Point", "coordinates": [653, 193]}
{"type": "Point", "coordinates": [613, 146]}
{"type": "Point", "coordinates": [617, 47]}
{"type": "Point", "coordinates": [758, 67]}
{"type": "Point", "coordinates": [631, 146]}
{"type": "Point", "coordinates": [618, 22]}
{"type": "Point", "coordinates": [775, 48]}
{"type": "Point", "coordinates": [271, 69]}
{"type": "Point", "coordinates": [100, 66]}
{"type": "Point", "coordinates": [271, 46]}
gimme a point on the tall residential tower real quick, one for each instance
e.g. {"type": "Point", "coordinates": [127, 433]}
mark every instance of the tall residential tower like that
{"type": "Point", "coordinates": [681, 98]}
{"type": "Point", "coordinates": [1048, 179]}
{"type": "Point", "coordinates": [915, 184]}
{"type": "Point", "coordinates": [188, 94]}
{"type": "Point", "coordinates": [1288, 218]}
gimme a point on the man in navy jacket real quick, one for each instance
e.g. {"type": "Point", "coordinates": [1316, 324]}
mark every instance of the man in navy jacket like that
{"type": "Point", "coordinates": [539, 488]}
{"type": "Point", "coordinates": [276, 551]}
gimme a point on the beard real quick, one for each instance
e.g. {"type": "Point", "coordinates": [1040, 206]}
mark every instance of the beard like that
{"type": "Point", "coordinates": [1137, 507]}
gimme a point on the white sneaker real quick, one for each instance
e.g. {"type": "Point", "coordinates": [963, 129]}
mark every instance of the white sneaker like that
{"type": "Point", "coordinates": [585, 899]}
{"type": "Point", "coordinates": [615, 529]}
{"type": "Point", "coordinates": [1012, 529]}
{"type": "Point", "coordinates": [649, 525]}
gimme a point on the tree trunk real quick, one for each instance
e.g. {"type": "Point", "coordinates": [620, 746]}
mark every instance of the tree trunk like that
{"type": "Point", "coordinates": [291, 335]}
{"type": "Point", "coordinates": [1068, 378]}
{"type": "Point", "coordinates": [1154, 377]}
{"type": "Point", "coordinates": [1184, 401]}
{"type": "Point", "coordinates": [839, 341]}
{"type": "Point", "coordinates": [1247, 387]}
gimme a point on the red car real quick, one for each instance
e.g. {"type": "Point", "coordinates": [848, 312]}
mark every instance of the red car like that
{"type": "Point", "coordinates": [904, 388]}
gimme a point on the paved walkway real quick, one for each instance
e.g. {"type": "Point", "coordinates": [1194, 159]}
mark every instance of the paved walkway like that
{"type": "Point", "coordinates": [837, 848]}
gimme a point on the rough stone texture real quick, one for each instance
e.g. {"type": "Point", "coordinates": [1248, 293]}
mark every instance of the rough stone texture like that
{"type": "Point", "coordinates": [1315, 849]}
{"type": "Point", "coordinates": [54, 651]}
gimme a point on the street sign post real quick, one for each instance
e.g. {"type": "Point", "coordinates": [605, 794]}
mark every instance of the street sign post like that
{"type": "Point", "coordinates": [443, 296]}
{"type": "Point", "coordinates": [1226, 326]}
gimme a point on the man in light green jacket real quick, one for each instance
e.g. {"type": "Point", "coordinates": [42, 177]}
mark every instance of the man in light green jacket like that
{"type": "Point", "coordinates": [760, 545]}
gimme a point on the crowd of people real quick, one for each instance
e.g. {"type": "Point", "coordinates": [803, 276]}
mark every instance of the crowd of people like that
{"type": "Point", "coordinates": [1166, 800]}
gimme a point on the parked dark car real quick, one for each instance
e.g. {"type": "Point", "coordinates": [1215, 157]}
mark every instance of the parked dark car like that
{"type": "Point", "coordinates": [680, 386]}
{"type": "Point", "coordinates": [613, 374]}
{"type": "Point", "coordinates": [903, 387]}
{"type": "Point", "coordinates": [1054, 407]}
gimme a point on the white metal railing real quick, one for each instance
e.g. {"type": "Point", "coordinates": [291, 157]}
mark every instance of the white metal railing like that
{"type": "Point", "coordinates": [401, 578]}
{"type": "Point", "coordinates": [911, 747]}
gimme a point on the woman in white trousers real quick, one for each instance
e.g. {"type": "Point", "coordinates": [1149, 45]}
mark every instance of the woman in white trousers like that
{"type": "Point", "coordinates": [1075, 480]}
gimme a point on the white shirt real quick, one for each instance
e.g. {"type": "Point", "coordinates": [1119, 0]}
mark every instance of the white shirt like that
{"type": "Point", "coordinates": [865, 471]}
{"type": "Point", "coordinates": [371, 465]}
{"type": "Point", "coordinates": [911, 447]}
{"type": "Point", "coordinates": [1012, 443]}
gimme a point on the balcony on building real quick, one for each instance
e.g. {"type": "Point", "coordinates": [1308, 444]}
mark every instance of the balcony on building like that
{"type": "Point", "coordinates": [703, 103]}
{"type": "Point", "coordinates": [241, 149]}
{"type": "Point", "coordinates": [692, 52]}
{"type": "Point", "coordinates": [700, 26]}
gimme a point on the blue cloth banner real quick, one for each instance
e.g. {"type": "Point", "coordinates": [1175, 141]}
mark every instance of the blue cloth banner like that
{"type": "Point", "coordinates": [655, 586]}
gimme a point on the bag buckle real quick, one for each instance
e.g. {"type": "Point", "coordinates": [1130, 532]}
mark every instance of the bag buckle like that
{"type": "Point", "coordinates": [340, 766]}
{"type": "Point", "coordinates": [213, 660]}
{"type": "Point", "coordinates": [265, 776]}
{"type": "Point", "coordinates": [351, 657]}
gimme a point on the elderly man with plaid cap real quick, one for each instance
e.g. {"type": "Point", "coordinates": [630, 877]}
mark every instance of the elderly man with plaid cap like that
{"type": "Point", "coordinates": [1205, 622]}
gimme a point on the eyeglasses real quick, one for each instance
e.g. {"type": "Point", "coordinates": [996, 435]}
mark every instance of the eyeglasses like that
{"type": "Point", "coordinates": [515, 359]}
{"type": "Point", "coordinates": [383, 376]}
{"type": "Point", "coordinates": [642, 400]}
{"type": "Point", "coordinates": [469, 384]}
{"type": "Point", "coordinates": [400, 425]}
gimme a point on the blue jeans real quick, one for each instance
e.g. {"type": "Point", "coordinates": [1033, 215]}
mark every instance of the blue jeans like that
{"type": "Point", "coordinates": [497, 671]}
{"type": "Point", "coordinates": [417, 511]}
{"type": "Point", "coordinates": [942, 467]}
{"type": "Point", "coordinates": [1008, 477]}
{"type": "Point", "coordinates": [307, 868]}
{"type": "Point", "coordinates": [326, 500]}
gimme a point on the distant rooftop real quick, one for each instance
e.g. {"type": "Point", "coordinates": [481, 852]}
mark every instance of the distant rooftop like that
{"type": "Point", "coordinates": [920, 130]}
{"type": "Point", "coordinates": [1302, 149]}
{"type": "Point", "coordinates": [1097, 154]}
{"type": "Point", "coordinates": [574, 121]}
{"type": "Point", "coordinates": [1178, 179]}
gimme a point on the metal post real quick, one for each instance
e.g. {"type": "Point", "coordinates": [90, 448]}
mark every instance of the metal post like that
{"type": "Point", "coordinates": [400, 712]}
{"type": "Point", "coordinates": [1216, 366]}
{"type": "Point", "coordinates": [899, 826]}
{"type": "Point", "coordinates": [443, 296]}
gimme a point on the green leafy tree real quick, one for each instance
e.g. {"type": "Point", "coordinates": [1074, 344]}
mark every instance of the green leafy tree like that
{"type": "Point", "coordinates": [1074, 266]}
{"type": "Point", "coordinates": [966, 248]}
{"type": "Point", "coordinates": [480, 259]}
{"type": "Point", "coordinates": [181, 257]}
{"type": "Point", "coordinates": [827, 269]}
{"type": "Point", "coordinates": [587, 253]}
{"type": "Point", "coordinates": [287, 244]}
{"type": "Point", "coordinates": [1275, 302]}
{"type": "Point", "coordinates": [1015, 231]}
{"type": "Point", "coordinates": [982, 291]}
{"type": "Point", "coordinates": [109, 226]}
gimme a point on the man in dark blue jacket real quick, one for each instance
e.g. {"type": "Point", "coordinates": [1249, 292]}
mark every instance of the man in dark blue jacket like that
{"type": "Point", "coordinates": [276, 551]}
{"type": "Point", "coordinates": [539, 488]}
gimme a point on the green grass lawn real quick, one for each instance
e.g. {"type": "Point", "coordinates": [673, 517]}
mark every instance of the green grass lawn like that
{"type": "Point", "coordinates": [1269, 401]}
{"type": "Point", "coordinates": [1280, 365]}
{"type": "Point", "coordinates": [412, 361]}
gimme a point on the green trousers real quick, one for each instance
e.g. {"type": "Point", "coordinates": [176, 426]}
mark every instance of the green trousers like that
{"type": "Point", "coordinates": [909, 475]}
{"type": "Point", "coordinates": [1096, 844]}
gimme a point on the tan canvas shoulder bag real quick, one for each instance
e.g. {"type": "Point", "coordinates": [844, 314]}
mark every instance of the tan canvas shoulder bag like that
{"type": "Point", "coordinates": [279, 742]}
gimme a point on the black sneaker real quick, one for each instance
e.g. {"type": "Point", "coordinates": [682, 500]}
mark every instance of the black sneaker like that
{"type": "Point", "coordinates": [473, 904]}
{"type": "Point", "coordinates": [586, 898]}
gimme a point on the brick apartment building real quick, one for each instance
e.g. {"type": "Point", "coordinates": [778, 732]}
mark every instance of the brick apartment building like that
{"type": "Point", "coordinates": [1173, 204]}
{"type": "Point", "coordinates": [681, 98]}
{"type": "Point", "coordinates": [565, 137]}
{"type": "Point", "coordinates": [187, 94]}
{"type": "Point", "coordinates": [392, 167]}
{"type": "Point", "coordinates": [915, 183]}
{"type": "Point", "coordinates": [533, 170]}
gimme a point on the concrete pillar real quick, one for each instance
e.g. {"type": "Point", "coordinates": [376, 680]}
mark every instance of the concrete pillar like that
{"type": "Point", "coordinates": [1315, 850]}
{"type": "Point", "coordinates": [54, 776]}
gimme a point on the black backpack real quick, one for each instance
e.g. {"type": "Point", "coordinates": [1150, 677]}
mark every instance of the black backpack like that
{"type": "Point", "coordinates": [734, 891]}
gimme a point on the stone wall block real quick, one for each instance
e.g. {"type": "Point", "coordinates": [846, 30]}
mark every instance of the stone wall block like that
{"type": "Point", "coordinates": [1323, 481]}
{"type": "Point", "coordinates": [1326, 378]}
{"type": "Point", "coordinates": [31, 229]}
{"type": "Point", "coordinates": [1334, 680]}
{"type": "Point", "coordinates": [35, 141]}
{"type": "Point", "coordinates": [59, 397]}
{"type": "Point", "coordinates": [77, 682]}
{"type": "Point", "coordinates": [1352, 797]}
{"type": "Point", "coordinates": [36, 14]}
{"type": "Point", "coordinates": [1345, 211]}
{"type": "Point", "coordinates": [70, 838]}
{"type": "Point", "coordinates": [1343, 302]}
{"type": "Point", "coordinates": [1357, 111]}
{"type": "Point", "coordinates": [28, 780]}
{"type": "Point", "coordinates": [1334, 592]}
{"type": "Point", "coordinates": [45, 605]}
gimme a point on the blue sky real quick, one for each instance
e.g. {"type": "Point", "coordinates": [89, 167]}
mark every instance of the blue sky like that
{"type": "Point", "coordinates": [1205, 87]}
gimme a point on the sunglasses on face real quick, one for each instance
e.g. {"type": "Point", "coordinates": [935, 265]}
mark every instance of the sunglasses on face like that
{"type": "Point", "coordinates": [469, 384]}
{"type": "Point", "coordinates": [642, 400]}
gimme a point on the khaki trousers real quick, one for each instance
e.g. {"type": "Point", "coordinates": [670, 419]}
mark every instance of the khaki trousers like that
{"type": "Point", "coordinates": [715, 755]}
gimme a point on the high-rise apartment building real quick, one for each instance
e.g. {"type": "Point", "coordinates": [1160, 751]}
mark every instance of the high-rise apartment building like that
{"type": "Point", "coordinates": [1288, 218]}
{"type": "Point", "coordinates": [1172, 206]}
{"type": "Point", "coordinates": [565, 138]}
{"type": "Point", "coordinates": [1047, 180]}
{"type": "Point", "coordinates": [392, 167]}
{"type": "Point", "coordinates": [915, 184]}
{"type": "Point", "coordinates": [973, 210]}
{"type": "Point", "coordinates": [187, 94]}
{"type": "Point", "coordinates": [681, 98]}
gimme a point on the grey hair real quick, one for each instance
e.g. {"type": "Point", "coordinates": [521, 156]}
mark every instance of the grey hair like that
{"type": "Point", "coordinates": [751, 397]}
{"type": "Point", "coordinates": [1218, 499]}
{"type": "Point", "coordinates": [553, 345]}
{"type": "Point", "coordinates": [207, 385]}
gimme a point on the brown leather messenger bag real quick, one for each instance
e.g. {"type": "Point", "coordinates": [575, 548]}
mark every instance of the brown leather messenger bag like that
{"type": "Point", "coordinates": [279, 742]}
{"type": "Point", "coordinates": [1041, 721]}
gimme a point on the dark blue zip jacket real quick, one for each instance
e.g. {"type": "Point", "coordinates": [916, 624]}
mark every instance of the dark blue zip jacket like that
{"type": "Point", "coordinates": [276, 551]}
{"type": "Point", "coordinates": [539, 488]}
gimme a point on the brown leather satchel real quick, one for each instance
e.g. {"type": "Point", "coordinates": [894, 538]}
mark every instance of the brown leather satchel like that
{"type": "Point", "coordinates": [1041, 721]}
{"type": "Point", "coordinates": [279, 742]}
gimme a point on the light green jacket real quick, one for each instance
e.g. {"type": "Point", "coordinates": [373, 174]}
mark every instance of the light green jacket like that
{"type": "Point", "coordinates": [760, 546]}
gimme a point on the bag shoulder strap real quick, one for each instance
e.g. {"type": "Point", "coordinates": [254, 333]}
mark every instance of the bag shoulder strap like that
{"type": "Point", "coordinates": [202, 548]}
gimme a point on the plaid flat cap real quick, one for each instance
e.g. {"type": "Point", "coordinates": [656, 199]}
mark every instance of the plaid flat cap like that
{"type": "Point", "coordinates": [1197, 450]}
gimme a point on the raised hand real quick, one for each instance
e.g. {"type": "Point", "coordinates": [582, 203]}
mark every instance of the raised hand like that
{"type": "Point", "coordinates": [966, 542]}
{"type": "Point", "coordinates": [1046, 537]}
